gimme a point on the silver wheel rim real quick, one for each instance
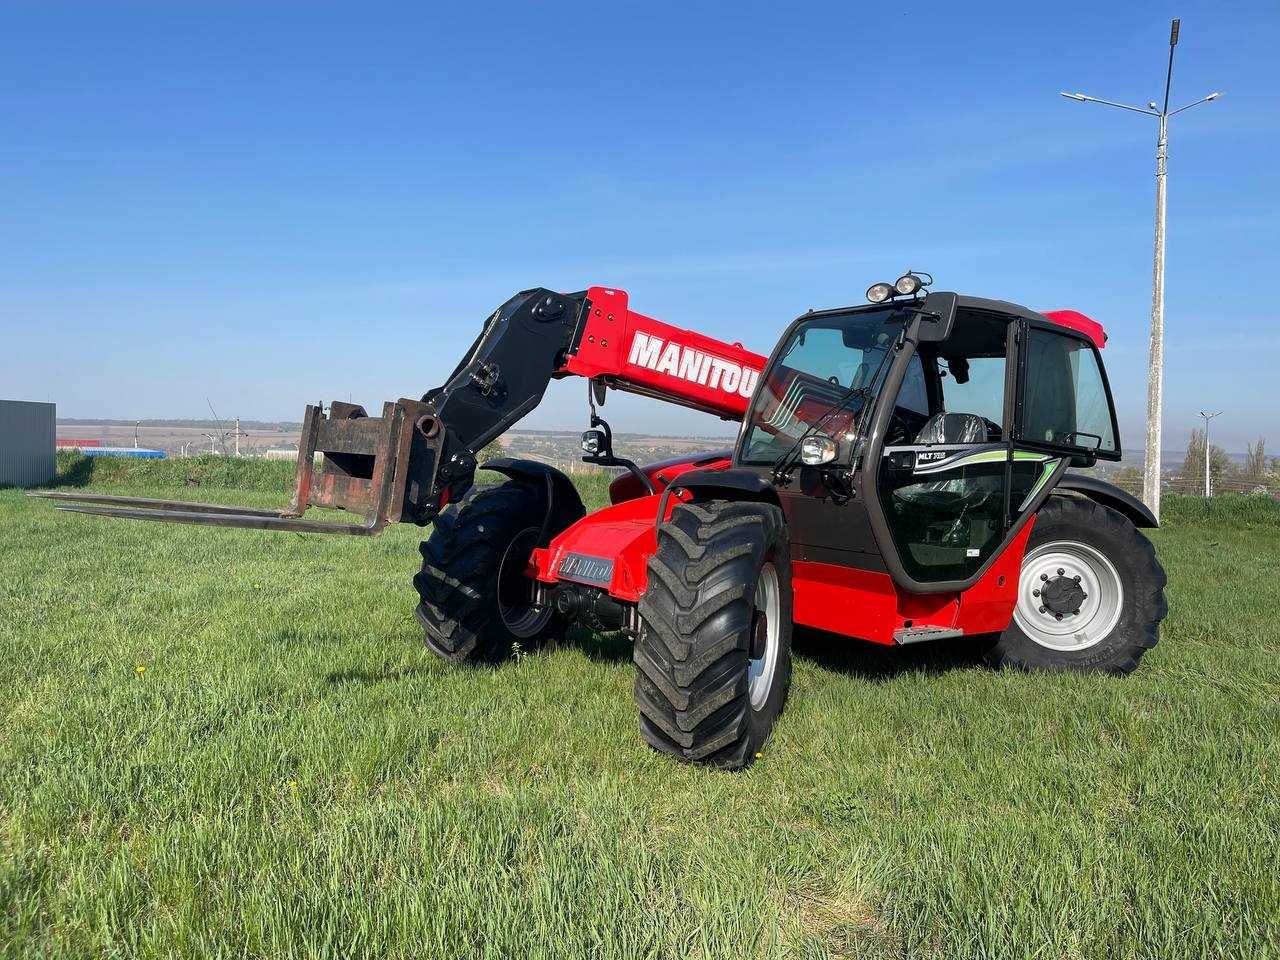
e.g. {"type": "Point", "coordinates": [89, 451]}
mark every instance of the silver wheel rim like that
{"type": "Point", "coordinates": [760, 672]}
{"type": "Point", "coordinates": [1099, 610]}
{"type": "Point", "coordinates": [523, 619]}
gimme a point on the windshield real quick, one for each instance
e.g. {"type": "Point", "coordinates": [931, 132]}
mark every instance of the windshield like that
{"type": "Point", "coordinates": [831, 362]}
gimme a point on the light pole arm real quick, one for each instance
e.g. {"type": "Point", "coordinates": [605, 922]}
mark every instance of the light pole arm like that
{"type": "Point", "coordinates": [1206, 99]}
{"type": "Point", "coordinates": [1085, 98]}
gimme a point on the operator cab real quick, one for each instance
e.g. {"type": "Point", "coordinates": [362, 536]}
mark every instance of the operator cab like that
{"type": "Point", "coordinates": [915, 435]}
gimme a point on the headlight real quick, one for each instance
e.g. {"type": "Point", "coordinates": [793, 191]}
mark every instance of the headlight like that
{"type": "Point", "coordinates": [817, 450]}
{"type": "Point", "coordinates": [879, 292]}
{"type": "Point", "coordinates": [907, 284]}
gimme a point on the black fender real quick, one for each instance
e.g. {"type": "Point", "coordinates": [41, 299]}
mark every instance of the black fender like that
{"type": "Point", "coordinates": [1109, 495]}
{"type": "Point", "coordinates": [727, 485]}
{"type": "Point", "coordinates": [564, 506]}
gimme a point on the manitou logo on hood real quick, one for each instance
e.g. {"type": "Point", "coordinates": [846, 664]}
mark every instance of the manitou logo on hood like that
{"type": "Point", "coordinates": [676, 360]}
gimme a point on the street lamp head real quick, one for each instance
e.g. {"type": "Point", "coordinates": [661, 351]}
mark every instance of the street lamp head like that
{"type": "Point", "coordinates": [1214, 96]}
{"type": "Point", "coordinates": [1075, 96]}
{"type": "Point", "coordinates": [1151, 105]}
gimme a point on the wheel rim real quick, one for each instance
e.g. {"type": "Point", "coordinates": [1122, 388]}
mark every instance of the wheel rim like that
{"type": "Point", "coordinates": [760, 671]}
{"type": "Point", "coordinates": [1070, 596]}
{"type": "Point", "coordinates": [519, 613]}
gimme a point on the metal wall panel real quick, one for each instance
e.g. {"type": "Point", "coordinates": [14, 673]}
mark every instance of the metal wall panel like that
{"type": "Point", "coordinates": [27, 433]}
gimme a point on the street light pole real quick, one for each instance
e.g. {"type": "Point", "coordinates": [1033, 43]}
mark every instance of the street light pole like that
{"type": "Point", "coordinates": [1207, 418]}
{"type": "Point", "coordinates": [1155, 359]}
{"type": "Point", "coordinates": [1155, 350]}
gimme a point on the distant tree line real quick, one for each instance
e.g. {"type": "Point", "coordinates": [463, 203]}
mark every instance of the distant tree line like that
{"type": "Point", "coordinates": [1258, 473]}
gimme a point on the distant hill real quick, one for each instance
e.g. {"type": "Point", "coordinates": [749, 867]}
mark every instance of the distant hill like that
{"type": "Point", "coordinates": [281, 425]}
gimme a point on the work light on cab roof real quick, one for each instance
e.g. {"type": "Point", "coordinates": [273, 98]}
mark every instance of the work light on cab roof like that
{"type": "Point", "coordinates": [909, 284]}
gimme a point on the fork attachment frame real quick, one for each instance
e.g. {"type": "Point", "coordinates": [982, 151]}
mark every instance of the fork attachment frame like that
{"type": "Point", "coordinates": [364, 463]}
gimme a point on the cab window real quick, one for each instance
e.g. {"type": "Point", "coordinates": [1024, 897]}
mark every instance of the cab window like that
{"type": "Point", "coordinates": [1065, 401]}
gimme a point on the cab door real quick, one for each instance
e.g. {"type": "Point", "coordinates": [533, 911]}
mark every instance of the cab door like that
{"type": "Point", "coordinates": [940, 503]}
{"type": "Point", "coordinates": [1064, 412]}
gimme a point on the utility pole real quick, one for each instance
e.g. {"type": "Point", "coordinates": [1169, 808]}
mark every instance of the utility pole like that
{"type": "Point", "coordinates": [1155, 361]}
{"type": "Point", "coordinates": [237, 436]}
{"type": "Point", "coordinates": [1207, 418]}
{"type": "Point", "coordinates": [136, 425]}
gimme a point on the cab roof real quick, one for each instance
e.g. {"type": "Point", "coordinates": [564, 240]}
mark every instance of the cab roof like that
{"type": "Point", "coordinates": [1075, 320]}
{"type": "Point", "coordinates": [1072, 320]}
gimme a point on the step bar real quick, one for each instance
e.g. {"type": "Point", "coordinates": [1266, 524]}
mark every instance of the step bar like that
{"type": "Point", "coordinates": [364, 468]}
{"type": "Point", "coordinates": [904, 635]}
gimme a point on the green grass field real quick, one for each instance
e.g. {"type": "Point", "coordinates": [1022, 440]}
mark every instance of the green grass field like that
{"type": "Point", "coordinates": [226, 743]}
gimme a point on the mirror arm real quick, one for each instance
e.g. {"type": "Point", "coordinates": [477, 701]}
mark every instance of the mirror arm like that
{"type": "Point", "coordinates": [605, 458]}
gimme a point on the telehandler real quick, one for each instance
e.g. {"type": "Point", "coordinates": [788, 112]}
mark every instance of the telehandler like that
{"type": "Point", "coordinates": [900, 475]}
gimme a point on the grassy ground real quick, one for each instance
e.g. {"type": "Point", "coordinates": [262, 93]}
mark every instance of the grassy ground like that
{"type": "Point", "coordinates": [231, 743]}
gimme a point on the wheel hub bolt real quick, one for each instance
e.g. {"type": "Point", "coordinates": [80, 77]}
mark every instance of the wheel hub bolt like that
{"type": "Point", "coordinates": [1077, 578]}
{"type": "Point", "coordinates": [1057, 616]}
{"type": "Point", "coordinates": [1061, 571]}
{"type": "Point", "coordinates": [1044, 577]}
{"type": "Point", "coordinates": [1043, 610]}
{"type": "Point", "coordinates": [1035, 593]}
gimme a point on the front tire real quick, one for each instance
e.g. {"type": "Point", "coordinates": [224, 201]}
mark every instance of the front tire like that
{"type": "Point", "coordinates": [1090, 593]}
{"type": "Point", "coordinates": [475, 603]}
{"type": "Point", "coordinates": [713, 658]}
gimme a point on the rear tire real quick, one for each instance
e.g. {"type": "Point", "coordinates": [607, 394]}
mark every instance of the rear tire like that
{"type": "Point", "coordinates": [1090, 593]}
{"type": "Point", "coordinates": [713, 658]}
{"type": "Point", "coordinates": [472, 601]}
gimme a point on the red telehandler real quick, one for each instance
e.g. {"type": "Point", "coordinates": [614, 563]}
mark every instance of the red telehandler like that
{"type": "Point", "coordinates": [900, 476]}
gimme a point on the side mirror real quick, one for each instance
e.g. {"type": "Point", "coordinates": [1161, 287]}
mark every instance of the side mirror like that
{"type": "Point", "coordinates": [594, 443]}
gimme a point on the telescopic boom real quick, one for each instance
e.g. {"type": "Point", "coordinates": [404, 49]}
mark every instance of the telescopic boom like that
{"type": "Point", "coordinates": [419, 455]}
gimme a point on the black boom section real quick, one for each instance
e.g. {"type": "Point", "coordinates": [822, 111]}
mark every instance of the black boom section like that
{"type": "Point", "coordinates": [506, 371]}
{"type": "Point", "coordinates": [501, 379]}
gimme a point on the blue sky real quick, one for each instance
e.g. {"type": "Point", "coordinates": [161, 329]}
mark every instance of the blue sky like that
{"type": "Point", "coordinates": [271, 203]}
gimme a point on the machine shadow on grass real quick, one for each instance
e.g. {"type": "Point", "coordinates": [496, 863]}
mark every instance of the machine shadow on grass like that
{"type": "Point", "coordinates": [613, 647]}
{"type": "Point", "coordinates": [338, 678]}
{"type": "Point", "coordinates": [866, 661]}
{"type": "Point", "coordinates": [609, 648]}
{"type": "Point", "coordinates": [876, 663]}
{"type": "Point", "coordinates": [832, 652]}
